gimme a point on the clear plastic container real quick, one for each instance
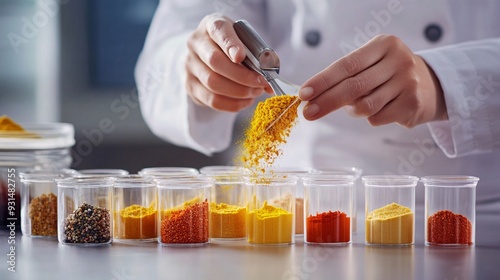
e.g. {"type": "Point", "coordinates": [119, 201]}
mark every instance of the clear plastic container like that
{"type": "Point", "coordinates": [39, 201]}
{"type": "Point", "coordinates": [84, 211]}
{"type": "Point", "coordinates": [184, 205]}
{"type": "Point", "coordinates": [450, 210]}
{"type": "Point", "coordinates": [271, 209]}
{"type": "Point", "coordinates": [170, 171]}
{"type": "Point", "coordinates": [328, 208]}
{"type": "Point", "coordinates": [390, 208]}
{"type": "Point", "coordinates": [134, 209]}
{"type": "Point", "coordinates": [357, 173]}
{"type": "Point", "coordinates": [228, 203]}
{"type": "Point", "coordinates": [50, 150]}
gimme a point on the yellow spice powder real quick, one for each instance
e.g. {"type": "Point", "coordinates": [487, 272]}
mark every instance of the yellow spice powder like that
{"type": "Point", "coordinates": [227, 221]}
{"type": "Point", "coordinates": [260, 148]}
{"type": "Point", "coordinates": [391, 224]}
{"type": "Point", "coordinates": [269, 225]}
{"type": "Point", "coordinates": [9, 128]}
{"type": "Point", "coordinates": [135, 222]}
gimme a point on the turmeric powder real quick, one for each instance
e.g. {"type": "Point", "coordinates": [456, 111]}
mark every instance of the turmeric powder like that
{"type": "Point", "coordinates": [9, 128]}
{"type": "Point", "coordinates": [269, 225]}
{"type": "Point", "coordinates": [391, 224]}
{"type": "Point", "coordinates": [135, 222]}
{"type": "Point", "coordinates": [227, 221]}
{"type": "Point", "coordinates": [262, 144]}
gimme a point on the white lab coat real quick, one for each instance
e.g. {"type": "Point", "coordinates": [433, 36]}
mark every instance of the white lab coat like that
{"type": "Point", "coordinates": [466, 59]}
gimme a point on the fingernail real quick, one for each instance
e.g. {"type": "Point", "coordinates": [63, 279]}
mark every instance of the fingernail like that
{"type": "Point", "coordinates": [311, 110]}
{"type": "Point", "coordinates": [233, 51]}
{"type": "Point", "coordinates": [306, 93]}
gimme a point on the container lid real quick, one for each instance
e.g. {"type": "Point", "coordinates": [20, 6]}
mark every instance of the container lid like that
{"type": "Point", "coordinates": [39, 136]}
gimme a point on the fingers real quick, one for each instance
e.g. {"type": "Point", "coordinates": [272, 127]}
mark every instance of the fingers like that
{"type": "Point", "coordinates": [220, 29]}
{"type": "Point", "coordinates": [219, 84]}
{"type": "Point", "coordinates": [348, 66]}
{"type": "Point", "coordinates": [201, 96]}
{"type": "Point", "coordinates": [372, 103]}
{"type": "Point", "coordinates": [395, 111]}
{"type": "Point", "coordinates": [350, 90]}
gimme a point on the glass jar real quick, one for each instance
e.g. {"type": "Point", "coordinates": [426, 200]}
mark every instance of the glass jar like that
{"type": "Point", "coordinates": [390, 208]}
{"type": "Point", "coordinates": [39, 201]}
{"type": "Point", "coordinates": [84, 211]}
{"type": "Point", "coordinates": [170, 171]}
{"type": "Point", "coordinates": [228, 203]}
{"type": "Point", "coordinates": [49, 150]}
{"type": "Point", "coordinates": [271, 209]}
{"type": "Point", "coordinates": [328, 206]}
{"type": "Point", "coordinates": [450, 210]}
{"type": "Point", "coordinates": [134, 209]}
{"type": "Point", "coordinates": [184, 210]}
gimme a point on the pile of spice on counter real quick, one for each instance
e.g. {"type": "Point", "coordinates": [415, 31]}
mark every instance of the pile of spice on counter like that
{"type": "Point", "coordinates": [135, 222]}
{"type": "Point", "coordinates": [43, 215]}
{"type": "Point", "coordinates": [328, 227]}
{"type": "Point", "coordinates": [391, 224]}
{"type": "Point", "coordinates": [185, 224]}
{"type": "Point", "coordinates": [88, 224]}
{"type": "Point", "coordinates": [227, 221]}
{"type": "Point", "coordinates": [446, 227]}
{"type": "Point", "coordinates": [269, 225]}
{"type": "Point", "coordinates": [261, 147]}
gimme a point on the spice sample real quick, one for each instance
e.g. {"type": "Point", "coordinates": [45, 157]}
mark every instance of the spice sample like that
{"type": "Point", "coordinates": [328, 227]}
{"type": "Point", "coordinates": [43, 215]}
{"type": "Point", "coordinates": [227, 221]}
{"type": "Point", "coordinates": [391, 224]}
{"type": "Point", "coordinates": [269, 225]}
{"type": "Point", "coordinates": [88, 224]}
{"type": "Point", "coordinates": [299, 211]}
{"type": "Point", "coordinates": [446, 227]}
{"type": "Point", "coordinates": [186, 225]}
{"type": "Point", "coordinates": [135, 222]}
{"type": "Point", "coordinates": [261, 147]}
{"type": "Point", "coordinates": [9, 128]}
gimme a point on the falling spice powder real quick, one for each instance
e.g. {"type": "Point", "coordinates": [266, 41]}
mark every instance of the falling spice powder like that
{"type": "Point", "coordinates": [391, 224]}
{"type": "Point", "coordinates": [269, 225]}
{"type": "Point", "coordinates": [135, 222]}
{"type": "Point", "coordinates": [446, 227]}
{"type": "Point", "coordinates": [88, 224]}
{"type": "Point", "coordinates": [227, 221]}
{"type": "Point", "coordinates": [43, 215]}
{"type": "Point", "coordinates": [185, 226]}
{"type": "Point", "coordinates": [262, 146]}
{"type": "Point", "coordinates": [328, 227]}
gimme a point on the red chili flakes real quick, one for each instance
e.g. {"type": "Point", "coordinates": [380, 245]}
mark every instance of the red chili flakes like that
{"type": "Point", "coordinates": [328, 227]}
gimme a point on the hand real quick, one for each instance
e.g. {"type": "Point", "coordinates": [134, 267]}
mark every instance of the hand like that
{"type": "Point", "coordinates": [383, 81]}
{"type": "Point", "coordinates": [214, 76]}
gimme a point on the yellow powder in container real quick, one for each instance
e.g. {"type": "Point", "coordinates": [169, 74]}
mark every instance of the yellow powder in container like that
{"type": "Point", "coordinates": [391, 224]}
{"type": "Point", "coordinates": [260, 148]}
{"type": "Point", "coordinates": [227, 221]}
{"type": "Point", "coordinates": [269, 225]}
{"type": "Point", "coordinates": [9, 128]}
{"type": "Point", "coordinates": [135, 222]}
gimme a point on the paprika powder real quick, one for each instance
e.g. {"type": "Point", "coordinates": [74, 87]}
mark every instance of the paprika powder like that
{"type": "Point", "coordinates": [446, 227]}
{"type": "Point", "coordinates": [188, 225]}
{"type": "Point", "coordinates": [328, 227]}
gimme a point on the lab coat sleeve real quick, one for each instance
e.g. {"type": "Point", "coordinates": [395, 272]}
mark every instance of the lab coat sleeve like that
{"type": "Point", "coordinates": [161, 76]}
{"type": "Point", "coordinates": [469, 74]}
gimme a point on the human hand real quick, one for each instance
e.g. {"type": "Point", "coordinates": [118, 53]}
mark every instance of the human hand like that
{"type": "Point", "coordinates": [215, 77]}
{"type": "Point", "coordinates": [383, 81]}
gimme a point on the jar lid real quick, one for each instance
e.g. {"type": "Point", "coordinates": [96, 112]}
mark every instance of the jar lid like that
{"type": "Point", "coordinates": [39, 136]}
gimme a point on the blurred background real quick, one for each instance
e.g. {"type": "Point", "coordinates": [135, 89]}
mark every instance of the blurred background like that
{"type": "Point", "coordinates": [73, 61]}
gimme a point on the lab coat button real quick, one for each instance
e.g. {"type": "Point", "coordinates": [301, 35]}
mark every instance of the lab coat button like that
{"type": "Point", "coordinates": [433, 32]}
{"type": "Point", "coordinates": [313, 37]}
